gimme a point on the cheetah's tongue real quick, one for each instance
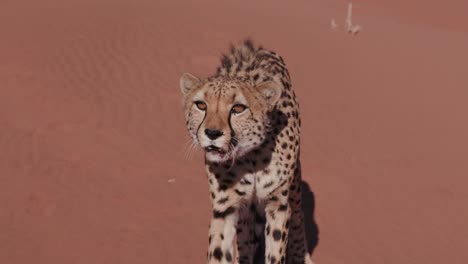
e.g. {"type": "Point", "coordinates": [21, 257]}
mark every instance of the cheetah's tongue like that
{"type": "Point", "coordinates": [221, 155]}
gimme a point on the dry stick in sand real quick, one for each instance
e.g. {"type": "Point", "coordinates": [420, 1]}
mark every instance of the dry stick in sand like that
{"type": "Point", "coordinates": [349, 27]}
{"type": "Point", "coordinates": [333, 24]}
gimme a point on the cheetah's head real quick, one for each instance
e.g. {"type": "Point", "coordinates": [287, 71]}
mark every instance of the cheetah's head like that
{"type": "Point", "coordinates": [227, 117]}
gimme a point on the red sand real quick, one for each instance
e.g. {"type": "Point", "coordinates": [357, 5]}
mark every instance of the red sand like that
{"type": "Point", "coordinates": [91, 127]}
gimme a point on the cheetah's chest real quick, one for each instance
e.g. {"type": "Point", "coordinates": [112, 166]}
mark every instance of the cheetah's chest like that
{"type": "Point", "coordinates": [260, 184]}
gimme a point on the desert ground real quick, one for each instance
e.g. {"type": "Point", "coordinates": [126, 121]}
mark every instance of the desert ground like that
{"type": "Point", "coordinates": [93, 148]}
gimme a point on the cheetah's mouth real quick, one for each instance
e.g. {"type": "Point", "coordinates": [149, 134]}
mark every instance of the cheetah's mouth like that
{"type": "Point", "coordinates": [215, 153]}
{"type": "Point", "coordinates": [215, 149]}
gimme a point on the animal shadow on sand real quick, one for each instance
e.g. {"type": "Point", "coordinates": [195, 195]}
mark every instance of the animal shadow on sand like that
{"type": "Point", "coordinates": [311, 227]}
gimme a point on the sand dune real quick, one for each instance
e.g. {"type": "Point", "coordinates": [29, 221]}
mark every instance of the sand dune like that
{"type": "Point", "coordinates": [92, 137]}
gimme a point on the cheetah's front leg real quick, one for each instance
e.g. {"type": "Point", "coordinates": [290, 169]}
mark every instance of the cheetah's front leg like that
{"type": "Point", "coordinates": [246, 235]}
{"type": "Point", "coordinates": [221, 236]}
{"type": "Point", "coordinates": [297, 246]}
{"type": "Point", "coordinates": [278, 213]}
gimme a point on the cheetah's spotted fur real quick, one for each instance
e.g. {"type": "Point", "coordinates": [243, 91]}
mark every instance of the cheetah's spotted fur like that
{"type": "Point", "coordinates": [252, 158]}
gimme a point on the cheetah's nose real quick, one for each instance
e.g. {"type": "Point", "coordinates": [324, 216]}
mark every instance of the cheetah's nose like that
{"type": "Point", "coordinates": [213, 133]}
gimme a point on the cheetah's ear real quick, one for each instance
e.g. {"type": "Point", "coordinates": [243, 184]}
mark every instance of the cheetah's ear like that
{"type": "Point", "coordinates": [187, 83]}
{"type": "Point", "coordinates": [271, 91]}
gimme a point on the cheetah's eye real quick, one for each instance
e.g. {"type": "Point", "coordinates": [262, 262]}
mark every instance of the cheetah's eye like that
{"type": "Point", "coordinates": [238, 108]}
{"type": "Point", "coordinates": [201, 105]}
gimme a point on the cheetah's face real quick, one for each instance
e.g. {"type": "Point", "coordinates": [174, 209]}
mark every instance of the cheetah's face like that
{"type": "Point", "coordinates": [227, 118]}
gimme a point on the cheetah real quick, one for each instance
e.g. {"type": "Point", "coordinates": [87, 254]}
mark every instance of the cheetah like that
{"type": "Point", "coordinates": [246, 119]}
